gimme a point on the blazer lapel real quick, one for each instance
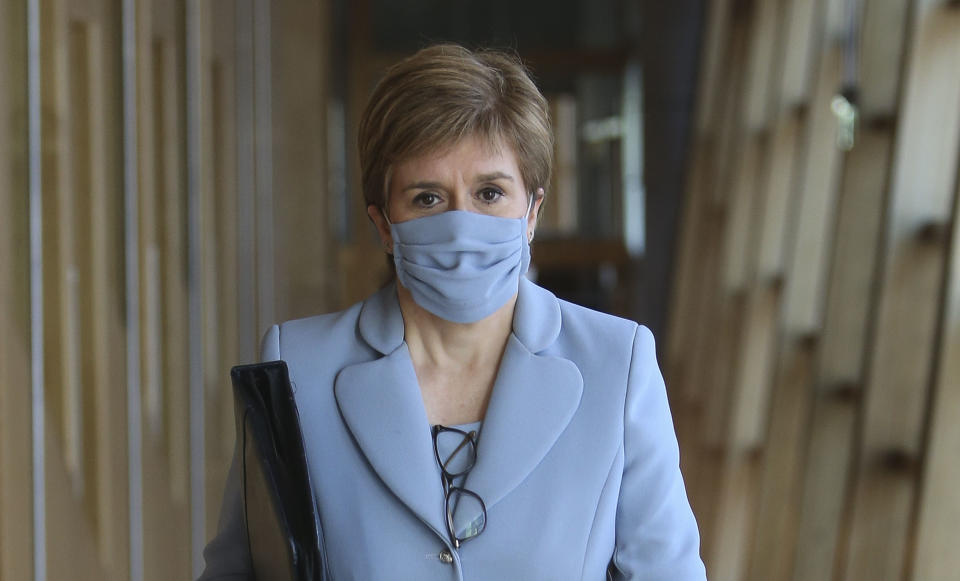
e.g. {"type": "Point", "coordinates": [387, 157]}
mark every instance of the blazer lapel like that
{"type": "Point", "coordinates": [534, 398]}
{"type": "Point", "coordinates": [381, 404]}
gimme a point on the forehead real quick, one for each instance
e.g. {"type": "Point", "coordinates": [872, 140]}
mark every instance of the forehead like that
{"type": "Point", "coordinates": [466, 155]}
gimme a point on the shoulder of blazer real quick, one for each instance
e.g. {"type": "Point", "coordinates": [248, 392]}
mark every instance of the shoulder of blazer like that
{"type": "Point", "coordinates": [290, 339]}
{"type": "Point", "coordinates": [596, 332]}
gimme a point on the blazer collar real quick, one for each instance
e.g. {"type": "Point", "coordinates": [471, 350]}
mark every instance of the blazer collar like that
{"type": "Point", "coordinates": [536, 319]}
{"type": "Point", "coordinates": [534, 398]}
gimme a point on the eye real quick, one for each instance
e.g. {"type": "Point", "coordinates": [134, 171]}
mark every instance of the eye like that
{"type": "Point", "coordinates": [490, 195]}
{"type": "Point", "coordinates": [426, 200]}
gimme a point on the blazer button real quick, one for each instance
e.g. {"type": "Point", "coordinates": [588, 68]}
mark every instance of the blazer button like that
{"type": "Point", "coordinates": [446, 556]}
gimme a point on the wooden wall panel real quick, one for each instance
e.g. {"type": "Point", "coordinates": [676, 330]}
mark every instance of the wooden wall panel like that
{"type": "Point", "coordinates": [807, 420]}
{"type": "Point", "coordinates": [16, 495]}
{"type": "Point", "coordinates": [114, 509]}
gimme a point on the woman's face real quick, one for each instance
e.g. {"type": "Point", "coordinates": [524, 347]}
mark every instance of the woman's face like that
{"type": "Point", "coordinates": [472, 175]}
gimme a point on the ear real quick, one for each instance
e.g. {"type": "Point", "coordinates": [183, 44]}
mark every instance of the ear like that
{"type": "Point", "coordinates": [534, 213]}
{"type": "Point", "coordinates": [383, 229]}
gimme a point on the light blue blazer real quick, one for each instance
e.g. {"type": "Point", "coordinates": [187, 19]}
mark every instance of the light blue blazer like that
{"type": "Point", "coordinates": [577, 460]}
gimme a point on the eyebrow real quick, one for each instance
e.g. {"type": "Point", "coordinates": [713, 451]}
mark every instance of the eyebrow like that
{"type": "Point", "coordinates": [487, 177]}
{"type": "Point", "coordinates": [423, 186]}
{"type": "Point", "coordinates": [497, 175]}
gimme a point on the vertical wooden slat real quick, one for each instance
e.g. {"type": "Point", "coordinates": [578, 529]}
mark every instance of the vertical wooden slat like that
{"type": "Point", "coordinates": [130, 16]}
{"type": "Point", "coordinates": [734, 531]}
{"type": "Point", "coordinates": [193, 56]}
{"type": "Point", "coordinates": [801, 22]}
{"type": "Point", "coordinates": [248, 330]}
{"type": "Point", "coordinates": [80, 460]}
{"type": "Point", "coordinates": [739, 245]}
{"type": "Point", "coordinates": [765, 52]}
{"type": "Point", "coordinates": [108, 293]}
{"type": "Point", "coordinates": [263, 116]}
{"type": "Point", "coordinates": [921, 201]}
{"type": "Point", "coordinates": [209, 274]}
{"type": "Point", "coordinates": [157, 512]}
{"type": "Point", "coordinates": [16, 503]}
{"type": "Point", "coordinates": [171, 230]}
{"type": "Point", "coordinates": [755, 371]}
{"type": "Point", "coordinates": [776, 511]}
{"type": "Point", "coordinates": [224, 203]}
{"type": "Point", "coordinates": [815, 204]}
{"type": "Point", "coordinates": [57, 218]}
{"type": "Point", "coordinates": [219, 244]}
{"type": "Point", "coordinates": [35, 70]}
{"type": "Point", "coordinates": [781, 179]}
{"type": "Point", "coordinates": [163, 288]}
{"type": "Point", "coordinates": [937, 533]}
{"type": "Point", "coordinates": [712, 53]}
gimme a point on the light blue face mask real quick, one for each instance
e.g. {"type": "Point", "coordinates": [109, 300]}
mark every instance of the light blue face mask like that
{"type": "Point", "coordinates": [461, 266]}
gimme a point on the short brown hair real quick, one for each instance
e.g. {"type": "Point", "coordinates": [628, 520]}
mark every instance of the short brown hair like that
{"type": "Point", "coordinates": [443, 94]}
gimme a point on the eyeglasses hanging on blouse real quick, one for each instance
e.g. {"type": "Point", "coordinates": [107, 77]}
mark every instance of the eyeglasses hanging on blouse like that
{"type": "Point", "coordinates": [466, 512]}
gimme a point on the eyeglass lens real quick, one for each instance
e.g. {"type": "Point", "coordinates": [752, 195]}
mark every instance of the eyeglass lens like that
{"type": "Point", "coordinates": [457, 452]}
{"type": "Point", "coordinates": [466, 513]}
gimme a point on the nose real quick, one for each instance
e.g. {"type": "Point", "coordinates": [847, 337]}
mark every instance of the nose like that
{"type": "Point", "coordinates": [458, 200]}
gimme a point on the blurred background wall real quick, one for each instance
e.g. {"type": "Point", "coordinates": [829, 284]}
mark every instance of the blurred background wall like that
{"type": "Point", "coordinates": [771, 185]}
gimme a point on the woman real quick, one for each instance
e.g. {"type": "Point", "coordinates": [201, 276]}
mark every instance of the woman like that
{"type": "Point", "coordinates": [462, 422]}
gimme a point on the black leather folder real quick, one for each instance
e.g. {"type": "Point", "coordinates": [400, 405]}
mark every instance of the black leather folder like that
{"type": "Point", "coordinates": [283, 527]}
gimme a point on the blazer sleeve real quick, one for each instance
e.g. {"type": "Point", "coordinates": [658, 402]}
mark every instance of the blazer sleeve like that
{"type": "Point", "coordinates": [656, 533]}
{"type": "Point", "coordinates": [227, 555]}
